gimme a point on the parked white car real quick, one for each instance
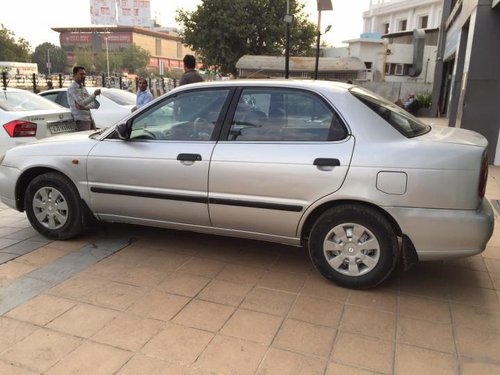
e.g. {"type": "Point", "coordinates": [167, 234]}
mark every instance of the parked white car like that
{"type": "Point", "coordinates": [115, 104]}
{"type": "Point", "coordinates": [333, 167]}
{"type": "Point", "coordinates": [26, 117]}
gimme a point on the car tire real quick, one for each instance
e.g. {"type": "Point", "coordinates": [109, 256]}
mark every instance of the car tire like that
{"type": "Point", "coordinates": [353, 246]}
{"type": "Point", "coordinates": [53, 207]}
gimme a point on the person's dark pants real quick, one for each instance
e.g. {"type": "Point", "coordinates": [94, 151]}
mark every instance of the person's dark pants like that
{"type": "Point", "coordinates": [85, 125]}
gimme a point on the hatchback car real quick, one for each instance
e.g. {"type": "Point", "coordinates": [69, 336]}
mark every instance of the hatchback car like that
{"type": "Point", "coordinates": [115, 104]}
{"type": "Point", "coordinates": [26, 117]}
{"type": "Point", "coordinates": [357, 180]}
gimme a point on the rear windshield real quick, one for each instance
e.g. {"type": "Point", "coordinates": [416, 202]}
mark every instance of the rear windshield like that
{"type": "Point", "coordinates": [401, 120]}
{"type": "Point", "coordinates": [120, 97]}
{"type": "Point", "coordinates": [24, 101]}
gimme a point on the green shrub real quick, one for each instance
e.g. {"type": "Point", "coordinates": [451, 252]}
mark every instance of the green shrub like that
{"type": "Point", "coordinates": [424, 99]}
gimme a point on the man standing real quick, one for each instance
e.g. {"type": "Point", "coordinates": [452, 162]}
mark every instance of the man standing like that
{"type": "Point", "coordinates": [143, 94]}
{"type": "Point", "coordinates": [190, 75]}
{"type": "Point", "coordinates": [80, 101]}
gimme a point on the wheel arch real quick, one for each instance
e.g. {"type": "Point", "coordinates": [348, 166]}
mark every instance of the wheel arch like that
{"type": "Point", "coordinates": [318, 211]}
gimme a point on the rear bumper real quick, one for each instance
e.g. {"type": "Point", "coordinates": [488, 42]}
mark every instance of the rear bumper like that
{"type": "Point", "coordinates": [443, 234]}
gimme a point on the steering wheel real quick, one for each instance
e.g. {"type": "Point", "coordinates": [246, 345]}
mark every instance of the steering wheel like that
{"type": "Point", "coordinates": [147, 135]}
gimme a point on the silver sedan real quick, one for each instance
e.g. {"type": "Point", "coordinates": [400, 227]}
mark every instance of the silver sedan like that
{"type": "Point", "coordinates": [332, 167]}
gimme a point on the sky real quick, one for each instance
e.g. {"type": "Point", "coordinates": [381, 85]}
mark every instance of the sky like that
{"type": "Point", "coordinates": [37, 17]}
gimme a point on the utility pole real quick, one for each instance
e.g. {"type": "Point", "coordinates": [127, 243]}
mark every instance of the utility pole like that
{"type": "Point", "coordinates": [48, 61]}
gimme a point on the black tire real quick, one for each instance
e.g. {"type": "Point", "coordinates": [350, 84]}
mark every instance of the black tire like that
{"type": "Point", "coordinates": [361, 246]}
{"type": "Point", "coordinates": [53, 206]}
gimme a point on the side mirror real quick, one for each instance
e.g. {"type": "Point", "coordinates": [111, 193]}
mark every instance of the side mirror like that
{"type": "Point", "coordinates": [122, 131]}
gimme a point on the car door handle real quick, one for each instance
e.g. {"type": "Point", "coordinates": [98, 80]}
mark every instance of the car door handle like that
{"type": "Point", "coordinates": [326, 162]}
{"type": "Point", "coordinates": [189, 157]}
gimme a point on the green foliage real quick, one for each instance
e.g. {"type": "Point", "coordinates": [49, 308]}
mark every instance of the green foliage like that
{"type": "Point", "coordinates": [84, 57]}
{"type": "Point", "coordinates": [12, 49]}
{"type": "Point", "coordinates": [424, 99]}
{"type": "Point", "coordinates": [57, 58]}
{"type": "Point", "coordinates": [135, 58]}
{"type": "Point", "coordinates": [221, 31]}
{"type": "Point", "coordinates": [101, 63]}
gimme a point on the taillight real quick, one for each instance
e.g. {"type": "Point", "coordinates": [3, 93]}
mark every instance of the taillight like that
{"type": "Point", "coordinates": [483, 177]}
{"type": "Point", "coordinates": [18, 128]}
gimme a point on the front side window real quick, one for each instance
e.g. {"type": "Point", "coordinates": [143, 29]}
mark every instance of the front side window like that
{"type": "Point", "coordinates": [399, 119]}
{"type": "Point", "coordinates": [189, 116]}
{"type": "Point", "coordinates": [284, 115]}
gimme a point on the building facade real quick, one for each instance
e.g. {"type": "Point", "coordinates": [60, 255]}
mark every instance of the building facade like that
{"type": "Point", "coordinates": [165, 47]}
{"type": "Point", "coordinates": [467, 76]}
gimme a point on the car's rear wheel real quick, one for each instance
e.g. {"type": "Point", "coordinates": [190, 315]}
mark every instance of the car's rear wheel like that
{"type": "Point", "coordinates": [354, 246]}
{"type": "Point", "coordinates": [53, 206]}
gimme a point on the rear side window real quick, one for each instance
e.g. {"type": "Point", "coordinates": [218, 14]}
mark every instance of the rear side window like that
{"type": "Point", "coordinates": [399, 119]}
{"type": "Point", "coordinates": [284, 115]}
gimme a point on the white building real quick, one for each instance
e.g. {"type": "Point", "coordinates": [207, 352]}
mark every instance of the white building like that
{"type": "Point", "coordinates": [390, 48]}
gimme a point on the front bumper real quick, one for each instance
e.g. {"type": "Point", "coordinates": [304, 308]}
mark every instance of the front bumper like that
{"type": "Point", "coordinates": [8, 180]}
{"type": "Point", "coordinates": [443, 234]}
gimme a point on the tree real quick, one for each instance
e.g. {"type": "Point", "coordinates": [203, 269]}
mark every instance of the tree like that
{"type": "Point", "coordinates": [135, 58]}
{"type": "Point", "coordinates": [57, 58]}
{"type": "Point", "coordinates": [84, 57]}
{"type": "Point", "coordinates": [12, 49]}
{"type": "Point", "coordinates": [221, 31]}
{"type": "Point", "coordinates": [115, 62]}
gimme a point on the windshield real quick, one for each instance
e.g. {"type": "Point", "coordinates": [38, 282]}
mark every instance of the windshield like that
{"type": "Point", "coordinates": [120, 97]}
{"type": "Point", "coordinates": [401, 120]}
{"type": "Point", "coordinates": [24, 101]}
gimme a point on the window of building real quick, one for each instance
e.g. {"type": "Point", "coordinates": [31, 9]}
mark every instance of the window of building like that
{"type": "Point", "coordinates": [368, 64]}
{"type": "Point", "coordinates": [385, 28]}
{"type": "Point", "coordinates": [398, 69]}
{"type": "Point", "coordinates": [422, 22]}
{"type": "Point", "coordinates": [402, 25]}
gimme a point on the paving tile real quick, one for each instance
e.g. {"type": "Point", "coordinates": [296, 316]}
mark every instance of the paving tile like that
{"type": "Point", "coordinates": [165, 261]}
{"type": "Point", "coordinates": [245, 356]}
{"type": "Point", "coordinates": [252, 326]}
{"type": "Point", "coordinates": [83, 320]}
{"type": "Point", "coordinates": [287, 363]}
{"type": "Point", "coordinates": [78, 286]}
{"type": "Point", "coordinates": [299, 263]}
{"type": "Point", "coordinates": [141, 364]}
{"type": "Point", "coordinates": [115, 295]}
{"type": "Point", "coordinates": [128, 332]}
{"type": "Point", "coordinates": [337, 369]}
{"type": "Point", "coordinates": [317, 286]}
{"type": "Point", "coordinates": [204, 315]}
{"type": "Point", "coordinates": [91, 358]}
{"type": "Point", "coordinates": [375, 355]}
{"type": "Point", "coordinates": [9, 369]}
{"type": "Point", "coordinates": [424, 308]}
{"type": "Point", "coordinates": [305, 338]}
{"type": "Point", "coordinates": [369, 322]}
{"type": "Point", "coordinates": [425, 334]}
{"type": "Point", "coordinates": [238, 274]}
{"type": "Point", "coordinates": [158, 305]}
{"type": "Point", "coordinates": [493, 265]}
{"type": "Point", "coordinates": [478, 345]}
{"type": "Point", "coordinates": [224, 292]}
{"type": "Point", "coordinates": [282, 280]}
{"type": "Point", "coordinates": [203, 267]}
{"type": "Point", "coordinates": [19, 291]}
{"type": "Point", "coordinates": [13, 331]}
{"type": "Point", "coordinates": [42, 309]}
{"type": "Point", "coordinates": [184, 284]}
{"type": "Point", "coordinates": [178, 344]}
{"type": "Point", "coordinates": [23, 247]}
{"type": "Point", "coordinates": [25, 234]}
{"type": "Point", "coordinates": [475, 317]}
{"type": "Point", "coordinates": [475, 296]}
{"type": "Point", "coordinates": [41, 350]}
{"type": "Point", "coordinates": [5, 242]}
{"type": "Point", "coordinates": [268, 301]}
{"type": "Point", "coordinates": [377, 299]}
{"type": "Point", "coordinates": [317, 311]}
{"type": "Point", "coordinates": [416, 361]}
{"type": "Point", "coordinates": [13, 270]}
{"type": "Point", "coordinates": [471, 367]}
{"type": "Point", "coordinates": [41, 257]}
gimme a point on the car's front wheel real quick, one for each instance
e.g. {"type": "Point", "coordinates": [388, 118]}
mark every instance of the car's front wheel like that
{"type": "Point", "coordinates": [53, 206]}
{"type": "Point", "coordinates": [354, 246]}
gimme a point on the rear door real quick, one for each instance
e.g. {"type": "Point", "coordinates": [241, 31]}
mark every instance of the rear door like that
{"type": "Point", "coordinates": [283, 149]}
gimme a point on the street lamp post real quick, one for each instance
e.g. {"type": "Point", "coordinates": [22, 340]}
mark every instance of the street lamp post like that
{"type": "Point", "coordinates": [322, 5]}
{"type": "Point", "coordinates": [107, 57]}
{"type": "Point", "coordinates": [288, 19]}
